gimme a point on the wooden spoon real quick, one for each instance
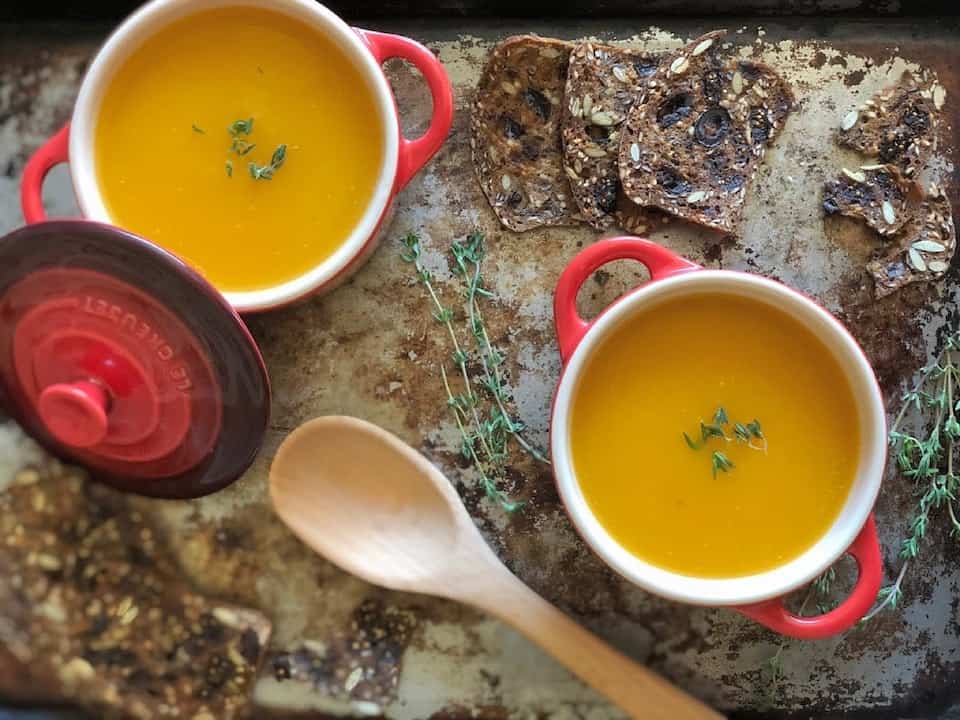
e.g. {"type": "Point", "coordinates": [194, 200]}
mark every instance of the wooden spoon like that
{"type": "Point", "coordinates": [372, 505]}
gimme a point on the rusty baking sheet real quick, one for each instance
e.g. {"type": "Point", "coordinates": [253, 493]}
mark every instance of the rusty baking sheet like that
{"type": "Point", "coordinates": [371, 349]}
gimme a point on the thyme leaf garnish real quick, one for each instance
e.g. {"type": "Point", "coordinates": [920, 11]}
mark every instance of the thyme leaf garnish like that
{"type": "Point", "coordinates": [265, 172]}
{"type": "Point", "coordinates": [742, 434]}
{"type": "Point", "coordinates": [711, 431]}
{"type": "Point", "coordinates": [241, 147]}
{"type": "Point", "coordinates": [721, 463]}
{"type": "Point", "coordinates": [241, 127]}
{"type": "Point", "coordinates": [279, 156]}
{"type": "Point", "coordinates": [198, 129]}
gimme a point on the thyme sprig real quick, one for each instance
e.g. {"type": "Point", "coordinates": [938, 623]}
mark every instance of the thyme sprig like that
{"type": "Point", "coordinates": [927, 458]}
{"type": "Point", "coordinates": [483, 435]}
{"type": "Point", "coordinates": [468, 257]}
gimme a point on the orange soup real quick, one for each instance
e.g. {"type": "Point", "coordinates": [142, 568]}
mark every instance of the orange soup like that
{"type": "Point", "coordinates": [193, 124]}
{"type": "Point", "coordinates": [743, 380]}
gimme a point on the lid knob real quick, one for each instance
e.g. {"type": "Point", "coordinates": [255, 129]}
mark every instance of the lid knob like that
{"type": "Point", "coordinates": [75, 413]}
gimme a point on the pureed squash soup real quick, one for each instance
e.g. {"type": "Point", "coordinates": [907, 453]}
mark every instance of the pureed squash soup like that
{"type": "Point", "coordinates": [714, 436]}
{"type": "Point", "coordinates": [242, 140]}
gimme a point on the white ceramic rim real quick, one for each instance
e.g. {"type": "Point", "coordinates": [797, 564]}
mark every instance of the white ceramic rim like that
{"type": "Point", "coordinates": [859, 503]}
{"type": "Point", "coordinates": [158, 14]}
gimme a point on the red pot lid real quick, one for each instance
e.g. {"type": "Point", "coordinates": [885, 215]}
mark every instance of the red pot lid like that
{"type": "Point", "coordinates": [116, 355]}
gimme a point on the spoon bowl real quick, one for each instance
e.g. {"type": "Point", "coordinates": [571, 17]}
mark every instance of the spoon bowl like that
{"type": "Point", "coordinates": [370, 504]}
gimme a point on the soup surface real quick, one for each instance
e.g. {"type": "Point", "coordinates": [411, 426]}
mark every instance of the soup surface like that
{"type": "Point", "coordinates": [173, 167]}
{"type": "Point", "coordinates": [662, 373]}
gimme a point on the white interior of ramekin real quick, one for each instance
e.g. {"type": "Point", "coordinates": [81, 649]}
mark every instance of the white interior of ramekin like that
{"type": "Point", "coordinates": [159, 13]}
{"type": "Point", "coordinates": [781, 580]}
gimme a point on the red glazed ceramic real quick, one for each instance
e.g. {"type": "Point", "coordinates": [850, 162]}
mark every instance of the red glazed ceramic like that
{"type": "Point", "coordinates": [402, 158]}
{"type": "Point", "coordinates": [117, 356]}
{"type": "Point", "coordinates": [757, 596]}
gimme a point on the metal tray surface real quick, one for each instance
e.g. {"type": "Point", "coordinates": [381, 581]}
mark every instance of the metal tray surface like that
{"type": "Point", "coordinates": [371, 349]}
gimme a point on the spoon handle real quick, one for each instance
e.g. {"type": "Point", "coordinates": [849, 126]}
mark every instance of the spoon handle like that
{"type": "Point", "coordinates": [640, 692]}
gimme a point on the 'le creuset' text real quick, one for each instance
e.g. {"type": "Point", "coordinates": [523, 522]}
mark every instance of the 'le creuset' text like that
{"type": "Point", "coordinates": [142, 331]}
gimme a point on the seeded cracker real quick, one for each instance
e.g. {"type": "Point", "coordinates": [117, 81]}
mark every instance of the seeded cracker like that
{"type": "Point", "coordinates": [877, 194]}
{"type": "Point", "coordinates": [602, 85]}
{"type": "Point", "coordinates": [694, 146]}
{"type": "Point", "coordinates": [898, 126]}
{"type": "Point", "coordinates": [105, 619]}
{"type": "Point", "coordinates": [924, 248]}
{"type": "Point", "coordinates": [515, 133]}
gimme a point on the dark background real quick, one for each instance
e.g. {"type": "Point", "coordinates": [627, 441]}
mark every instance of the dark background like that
{"type": "Point", "coordinates": [108, 10]}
